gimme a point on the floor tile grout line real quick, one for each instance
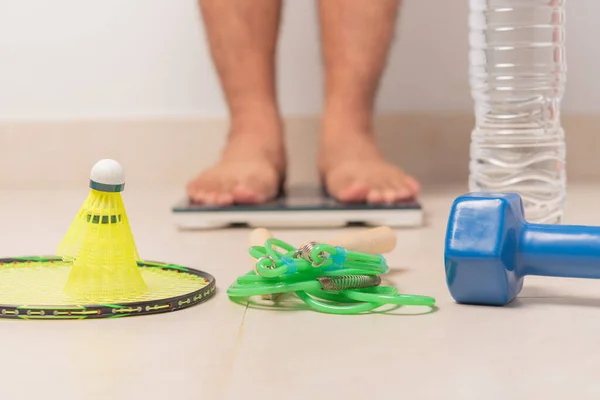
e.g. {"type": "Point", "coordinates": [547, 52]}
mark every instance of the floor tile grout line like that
{"type": "Point", "coordinates": [236, 348]}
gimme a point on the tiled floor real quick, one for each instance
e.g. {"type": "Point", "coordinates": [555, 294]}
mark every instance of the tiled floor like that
{"type": "Point", "coordinates": [542, 346]}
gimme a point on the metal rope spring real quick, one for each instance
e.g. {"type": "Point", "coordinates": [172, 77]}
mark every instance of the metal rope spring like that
{"type": "Point", "coordinates": [346, 282]}
{"type": "Point", "coordinates": [305, 251]}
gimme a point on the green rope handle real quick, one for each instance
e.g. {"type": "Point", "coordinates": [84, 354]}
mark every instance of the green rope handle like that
{"type": "Point", "coordinates": [327, 278]}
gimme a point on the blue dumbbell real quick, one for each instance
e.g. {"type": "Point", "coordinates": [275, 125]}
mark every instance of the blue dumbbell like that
{"type": "Point", "coordinates": [490, 248]}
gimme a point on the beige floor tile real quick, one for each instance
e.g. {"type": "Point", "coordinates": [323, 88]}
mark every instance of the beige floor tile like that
{"type": "Point", "coordinates": [542, 346]}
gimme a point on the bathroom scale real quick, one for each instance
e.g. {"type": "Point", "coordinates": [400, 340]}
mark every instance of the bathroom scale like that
{"type": "Point", "coordinates": [298, 207]}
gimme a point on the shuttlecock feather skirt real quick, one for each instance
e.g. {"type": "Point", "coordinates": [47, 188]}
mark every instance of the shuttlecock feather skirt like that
{"type": "Point", "coordinates": [100, 245]}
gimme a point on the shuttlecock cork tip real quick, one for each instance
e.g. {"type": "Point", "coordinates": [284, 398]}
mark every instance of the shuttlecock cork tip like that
{"type": "Point", "coordinates": [107, 176]}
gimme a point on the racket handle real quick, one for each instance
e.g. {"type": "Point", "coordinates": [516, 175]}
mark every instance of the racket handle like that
{"type": "Point", "coordinates": [378, 240]}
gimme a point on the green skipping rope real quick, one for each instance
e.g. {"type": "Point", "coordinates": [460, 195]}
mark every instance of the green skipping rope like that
{"type": "Point", "coordinates": [329, 279]}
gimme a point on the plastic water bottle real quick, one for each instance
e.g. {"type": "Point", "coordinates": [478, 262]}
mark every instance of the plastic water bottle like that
{"type": "Point", "coordinates": [517, 76]}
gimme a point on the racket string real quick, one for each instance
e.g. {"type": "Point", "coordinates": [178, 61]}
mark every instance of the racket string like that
{"type": "Point", "coordinates": [41, 283]}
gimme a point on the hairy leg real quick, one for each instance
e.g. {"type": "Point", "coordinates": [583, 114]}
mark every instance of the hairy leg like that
{"type": "Point", "coordinates": [357, 36]}
{"type": "Point", "coordinates": [242, 38]}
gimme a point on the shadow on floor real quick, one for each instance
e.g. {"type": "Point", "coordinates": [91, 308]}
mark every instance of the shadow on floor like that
{"type": "Point", "coordinates": [289, 302]}
{"type": "Point", "coordinates": [537, 296]}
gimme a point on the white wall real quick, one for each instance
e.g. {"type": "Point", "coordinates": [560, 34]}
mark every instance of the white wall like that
{"type": "Point", "coordinates": [70, 59]}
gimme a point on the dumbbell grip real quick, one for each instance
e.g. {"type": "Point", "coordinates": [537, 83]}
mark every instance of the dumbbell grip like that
{"type": "Point", "coordinates": [567, 251]}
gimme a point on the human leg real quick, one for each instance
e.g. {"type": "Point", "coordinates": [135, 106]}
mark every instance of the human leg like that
{"type": "Point", "coordinates": [242, 37]}
{"type": "Point", "coordinates": [356, 37]}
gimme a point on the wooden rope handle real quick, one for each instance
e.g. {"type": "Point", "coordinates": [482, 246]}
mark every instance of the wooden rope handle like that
{"type": "Point", "coordinates": [380, 240]}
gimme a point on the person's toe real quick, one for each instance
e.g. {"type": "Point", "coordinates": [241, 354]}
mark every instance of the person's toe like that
{"type": "Point", "coordinates": [375, 196]}
{"type": "Point", "coordinates": [391, 195]}
{"type": "Point", "coordinates": [198, 196]}
{"type": "Point", "coordinates": [203, 192]}
{"type": "Point", "coordinates": [413, 186]}
{"type": "Point", "coordinates": [256, 188]}
{"type": "Point", "coordinates": [212, 198]}
{"type": "Point", "coordinates": [192, 189]}
{"type": "Point", "coordinates": [353, 193]}
{"type": "Point", "coordinates": [243, 194]}
{"type": "Point", "coordinates": [225, 199]}
{"type": "Point", "coordinates": [404, 193]}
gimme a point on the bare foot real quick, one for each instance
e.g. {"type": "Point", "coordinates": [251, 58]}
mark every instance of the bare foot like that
{"type": "Point", "coordinates": [250, 171]}
{"type": "Point", "coordinates": [354, 170]}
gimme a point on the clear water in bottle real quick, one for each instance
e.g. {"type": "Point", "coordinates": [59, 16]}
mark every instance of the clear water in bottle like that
{"type": "Point", "coordinates": [517, 77]}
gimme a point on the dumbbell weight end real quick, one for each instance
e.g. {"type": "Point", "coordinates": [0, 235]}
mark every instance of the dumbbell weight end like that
{"type": "Point", "coordinates": [490, 248]}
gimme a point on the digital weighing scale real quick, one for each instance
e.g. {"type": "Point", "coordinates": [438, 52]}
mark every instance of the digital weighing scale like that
{"type": "Point", "coordinates": [298, 207]}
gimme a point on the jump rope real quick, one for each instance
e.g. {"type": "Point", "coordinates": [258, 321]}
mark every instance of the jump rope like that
{"type": "Point", "coordinates": [342, 276]}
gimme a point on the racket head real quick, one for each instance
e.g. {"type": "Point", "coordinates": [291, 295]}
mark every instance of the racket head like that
{"type": "Point", "coordinates": [31, 287]}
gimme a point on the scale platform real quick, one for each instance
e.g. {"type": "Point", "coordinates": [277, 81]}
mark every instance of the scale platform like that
{"type": "Point", "coordinates": [298, 207]}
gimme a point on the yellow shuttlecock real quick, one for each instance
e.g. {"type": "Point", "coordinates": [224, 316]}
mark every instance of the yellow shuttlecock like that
{"type": "Point", "coordinates": [99, 243]}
